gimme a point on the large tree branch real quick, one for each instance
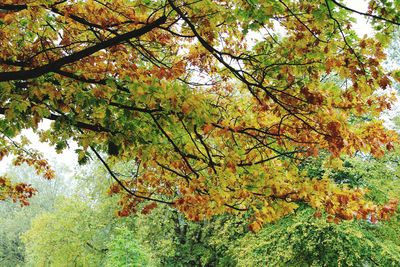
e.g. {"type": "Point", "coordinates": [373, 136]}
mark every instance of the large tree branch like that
{"type": "Point", "coordinates": [57, 64]}
{"type": "Point", "coordinates": [81, 125]}
{"type": "Point", "coordinates": [14, 8]}
{"type": "Point", "coordinates": [365, 14]}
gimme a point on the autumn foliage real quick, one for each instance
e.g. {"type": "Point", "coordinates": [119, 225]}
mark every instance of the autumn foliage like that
{"type": "Point", "coordinates": [21, 192]}
{"type": "Point", "coordinates": [214, 104]}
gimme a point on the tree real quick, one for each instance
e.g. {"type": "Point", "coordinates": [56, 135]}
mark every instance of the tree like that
{"type": "Point", "coordinates": [174, 241]}
{"type": "Point", "coordinates": [81, 230]}
{"type": "Point", "coordinates": [302, 239]}
{"type": "Point", "coordinates": [81, 233]}
{"type": "Point", "coordinates": [213, 123]}
{"type": "Point", "coordinates": [16, 220]}
{"type": "Point", "coordinates": [124, 250]}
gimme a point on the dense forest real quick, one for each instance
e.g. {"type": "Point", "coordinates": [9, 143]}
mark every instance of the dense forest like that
{"type": "Point", "coordinates": [205, 133]}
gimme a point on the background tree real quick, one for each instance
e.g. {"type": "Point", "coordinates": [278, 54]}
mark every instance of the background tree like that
{"type": "Point", "coordinates": [302, 240]}
{"type": "Point", "coordinates": [172, 240]}
{"type": "Point", "coordinates": [308, 238]}
{"type": "Point", "coordinates": [73, 234]}
{"type": "Point", "coordinates": [124, 249]}
{"type": "Point", "coordinates": [16, 220]}
{"type": "Point", "coordinates": [82, 229]}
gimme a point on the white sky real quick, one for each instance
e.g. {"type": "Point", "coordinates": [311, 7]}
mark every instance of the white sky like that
{"type": "Point", "coordinates": [361, 27]}
{"type": "Point", "coordinates": [68, 157]}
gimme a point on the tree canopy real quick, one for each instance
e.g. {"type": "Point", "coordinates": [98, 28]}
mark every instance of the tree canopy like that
{"type": "Point", "coordinates": [214, 104]}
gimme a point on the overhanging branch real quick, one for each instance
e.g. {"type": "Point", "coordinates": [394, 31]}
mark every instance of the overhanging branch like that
{"type": "Point", "coordinates": [365, 14]}
{"type": "Point", "coordinates": [57, 64]}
